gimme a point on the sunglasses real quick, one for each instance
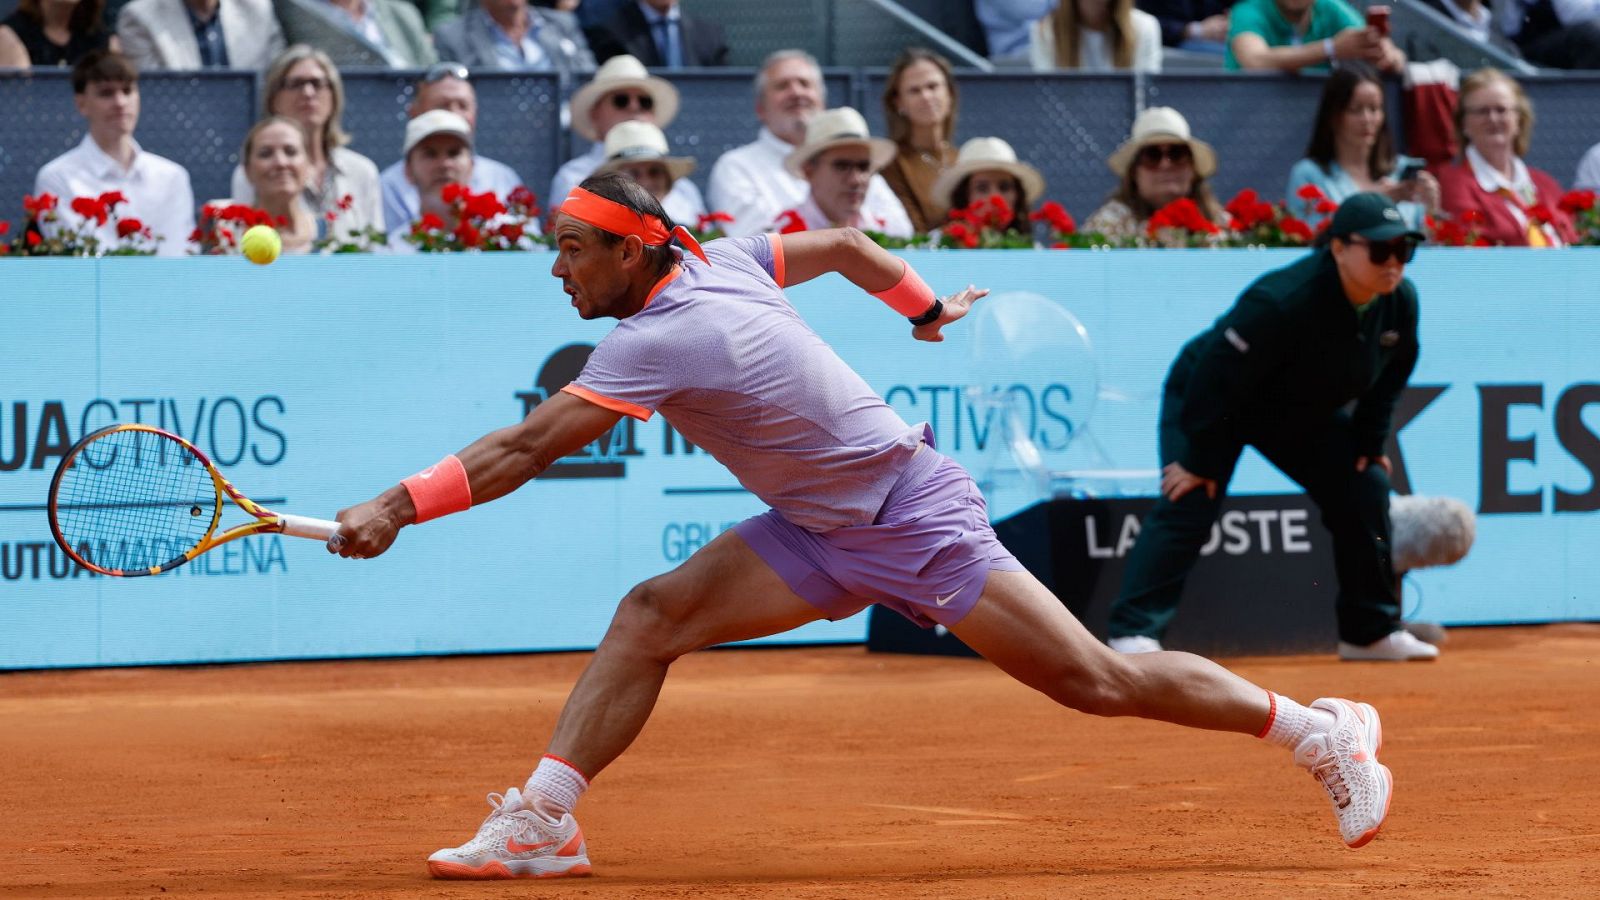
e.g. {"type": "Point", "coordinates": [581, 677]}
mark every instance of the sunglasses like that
{"type": "Point", "coordinates": [1380, 252]}
{"type": "Point", "coordinates": [440, 71]}
{"type": "Point", "coordinates": [1152, 155]}
{"type": "Point", "coordinates": [847, 166]}
{"type": "Point", "coordinates": [297, 85]}
{"type": "Point", "coordinates": [623, 100]}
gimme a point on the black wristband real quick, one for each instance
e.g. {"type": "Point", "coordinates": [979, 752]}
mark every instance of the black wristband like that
{"type": "Point", "coordinates": [932, 315]}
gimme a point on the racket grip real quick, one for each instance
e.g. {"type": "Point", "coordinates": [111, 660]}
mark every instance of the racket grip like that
{"type": "Point", "coordinates": [305, 527]}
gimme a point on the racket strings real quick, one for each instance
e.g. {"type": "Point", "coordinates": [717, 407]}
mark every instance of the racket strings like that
{"type": "Point", "coordinates": [133, 499]}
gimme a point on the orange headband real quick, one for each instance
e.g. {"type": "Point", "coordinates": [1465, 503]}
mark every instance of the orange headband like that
{"type": "Point", "coordinates": [608, 215]}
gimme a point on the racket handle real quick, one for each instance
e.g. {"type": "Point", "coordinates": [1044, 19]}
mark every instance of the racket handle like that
{"type": "Point", "coordinates": [305, 527]}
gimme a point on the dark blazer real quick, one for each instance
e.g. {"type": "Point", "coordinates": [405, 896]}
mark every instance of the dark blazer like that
{"type": "Point", "coordinates": [1175, 15]}
{"type": "Point", "coordinates": [629, 32]}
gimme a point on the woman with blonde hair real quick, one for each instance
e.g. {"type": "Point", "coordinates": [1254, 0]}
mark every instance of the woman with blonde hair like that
{"type": "Point", "coordinates": [1520, 205]}
{"type": "Point", "coordinates": [275, 159]}
{"type": "Point", "coordinates": [1096, 36]}
{"type": "Point", "coordinates": [919, 103]}
{"type": "Point", "coordinates": [1159, 163]}
{"type": "Point", "coordinates": [303, 84]}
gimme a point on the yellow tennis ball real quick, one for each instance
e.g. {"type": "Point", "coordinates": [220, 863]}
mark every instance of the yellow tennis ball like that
{"type": "Point", "coordinates": [261, 244]}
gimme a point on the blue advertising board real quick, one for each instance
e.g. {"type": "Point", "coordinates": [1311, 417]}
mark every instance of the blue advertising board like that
{"type": "Point", "coordinates": [317, 382]}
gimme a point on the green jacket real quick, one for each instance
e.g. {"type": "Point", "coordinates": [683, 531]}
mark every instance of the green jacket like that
{"type": "Point", "coordinates": [1294, 349]}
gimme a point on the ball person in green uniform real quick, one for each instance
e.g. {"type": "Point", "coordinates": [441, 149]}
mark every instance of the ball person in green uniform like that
{"type": "Point", "coordinates": [1278, 373]}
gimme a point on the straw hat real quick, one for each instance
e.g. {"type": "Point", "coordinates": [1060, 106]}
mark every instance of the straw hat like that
{"type": "Point", "coordinates": [1163, 125]}
{"type": "Point", "coordinates": [635, 142]}
{"type": "Point", "coordinates": [842, 127]}
{"type": "Point", "coordinates": [984, 154]}
{"type": "Point", "coordinates": [432, 122]}
{"type": "Point", "coordinates": [619, 73]}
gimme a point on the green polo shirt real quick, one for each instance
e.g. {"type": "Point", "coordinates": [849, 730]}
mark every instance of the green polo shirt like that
{"type": "Point", "coordinates": [1328, 18]}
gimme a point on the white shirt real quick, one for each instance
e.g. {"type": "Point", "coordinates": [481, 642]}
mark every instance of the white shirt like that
{"type": "Point", "coordinates": [348, 173]}
{"type": "Point", "coordinates": [684, 203]}
{"type": "Point", "coordinates": [751, 184]}
{"type": "Point", "coordinates": [812, 214]}
{"type": "Point", "coordinates": [1477, 25]}
{"type": "Point", "coordinates": [1520, 183]}
{"type": "Point", "coordinates": [158, 191]}
{"type": "Point", "coordinates": [1588, 177]}
{"type": "Point", "coordinates": [1094, 50]}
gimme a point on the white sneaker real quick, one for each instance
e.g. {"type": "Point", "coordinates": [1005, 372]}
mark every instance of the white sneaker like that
{"type": "Point", "coordinates": [1428, 632]}
{"type": "Point", "coordinates": [1399, 646]}
{"type": "Point", "coordinates": [1345, 762]}
{"type": "Point", "coordinates": [516, 841]}
{"type": "Point", "coordinates": [1134, 643]}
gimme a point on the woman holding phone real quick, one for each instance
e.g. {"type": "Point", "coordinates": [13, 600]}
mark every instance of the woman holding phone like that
{"type": "Point", "coordinates": [1351, 152]}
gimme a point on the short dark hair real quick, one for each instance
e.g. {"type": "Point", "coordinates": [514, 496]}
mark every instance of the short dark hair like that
{"type": "Point", "coordinates": [103, 65]}
{"type": "Point", "coordinates": [619, 188]}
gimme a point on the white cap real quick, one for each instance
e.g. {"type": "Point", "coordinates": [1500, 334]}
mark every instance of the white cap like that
{"type": "Point", "coordinates": [436, 121]}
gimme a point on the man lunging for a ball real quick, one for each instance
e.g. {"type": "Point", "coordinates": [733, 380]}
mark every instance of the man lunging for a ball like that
{"type": "Point", "coordinates": [864, 510]}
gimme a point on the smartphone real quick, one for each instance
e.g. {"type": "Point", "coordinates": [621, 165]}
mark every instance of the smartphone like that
{"type": "Point", "coordinates": [1408, 168]}
{"type": "Point", "coordinates": [1378, 17]}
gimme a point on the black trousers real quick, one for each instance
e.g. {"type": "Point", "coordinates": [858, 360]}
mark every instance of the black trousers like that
{"type": "Point", "coordinates": [1319, 455]}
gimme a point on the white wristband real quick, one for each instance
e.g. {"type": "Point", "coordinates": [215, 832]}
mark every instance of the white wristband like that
{"type": "Point", "coordinates": [1327, 48]}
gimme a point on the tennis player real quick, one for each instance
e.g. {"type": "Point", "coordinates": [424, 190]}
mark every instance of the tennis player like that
{"type": "Point", "coordinates": [864, 510]}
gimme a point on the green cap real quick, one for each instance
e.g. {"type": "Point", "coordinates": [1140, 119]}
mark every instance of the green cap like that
{"type": "Point", "coordinates": [1372, 216]}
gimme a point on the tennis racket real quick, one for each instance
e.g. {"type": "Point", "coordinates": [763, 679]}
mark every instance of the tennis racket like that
{"type": "Point", "coordinates": [135, 500]}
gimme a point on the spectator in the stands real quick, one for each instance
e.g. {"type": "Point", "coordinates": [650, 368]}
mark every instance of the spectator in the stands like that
{"type": "Point", "coordinates": [445, 86]}
{"type": "Point", "coordinates": [987, 167]}
{"type": "Point", "coordinates": [750, 183]}
{"type": "Point", "coordinates": [1562, 34]}
{"type": "Point", "coordinates": [919, 103]}
{"type": "Point", "coordinates": [639, 150]}
{"type": "Point", "coordinates": [106, 91]}
{"type": "Point", "coordinates": [1588, 177]}
{"type": "Point", "coordinates": [1520, 205]}
{"type": "Point", "coordinates": [1159, 163]}
{"type": "Point", "coordinates": [437, 152]}
{"type": "Point", "coordinates": [200, 34]}
{"type": "Point", "coordinates": [621, 91]}
{"type": "Point", "coordinates": [392, 29]}
{"type": "Point", "coordinates": [1473, 16]}
{"type": "Point", "coordinates": [304, 85]}
{"type": "Point", "coordinates": [660, 35]}
{"type": "Point", "coordinates": [1291, 35]}
{"type": "Point", "coordinates": [1351, 152]}
{"type": "Point", "coordinates": [837, 160]}
{"type": "Point", "coordinates": [1199, 26]}
{"type": "Point", "coordinates": [510, 35]}
{"type": "Point", "coordinates": [53, 33]}
{"type": "Point", "coordinates": [274, 158]}
{"type": "Point", "coordinates": [1096, 36]}
{"type": "Point", "coordinates": [1008, 26]}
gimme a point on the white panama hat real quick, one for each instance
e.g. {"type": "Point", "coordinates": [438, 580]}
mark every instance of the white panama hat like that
{"type": "Point", "coordinates": [984, 154]}
{"type": "Point", "coordinates": [620, 73]}
{"type": "Point", "coordinates": [1163, 125]}
{"type": "Point", "coordinates": [634, 142]}
{"type": "Point", "coordinates": [840, 127]}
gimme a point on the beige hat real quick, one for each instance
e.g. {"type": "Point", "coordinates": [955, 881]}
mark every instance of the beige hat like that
{"type": "Point", "coordinates": [1163, 125]}
{"type": "Point", "coordinates": [635, 142]}
{"type": "Point", "coordinates": [983, 154]}
{"type": "Point", "coordinates": [619, 73]}
{"type": "Point", "coordinates": [840, 127]}
{"type": "Point", "coordinates": [432, 122]}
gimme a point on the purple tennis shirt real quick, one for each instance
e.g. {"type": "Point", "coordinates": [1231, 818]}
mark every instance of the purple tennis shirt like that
{"type": "Point", "coordinates": [725, 359]}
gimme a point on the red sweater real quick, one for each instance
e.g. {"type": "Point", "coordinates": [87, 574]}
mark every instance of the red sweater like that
{"type": "Point", "coordinates": [1459, 192]}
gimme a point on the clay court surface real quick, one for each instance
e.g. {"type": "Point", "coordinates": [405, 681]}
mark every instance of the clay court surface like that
{"type": "Point", "coordinates": [812, 772]}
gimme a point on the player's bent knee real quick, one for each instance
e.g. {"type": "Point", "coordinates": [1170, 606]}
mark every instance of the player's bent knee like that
{"type": "Point", "coordinates": [651, 620]}
{"type": "Point", "coordinates": [1108, 689]}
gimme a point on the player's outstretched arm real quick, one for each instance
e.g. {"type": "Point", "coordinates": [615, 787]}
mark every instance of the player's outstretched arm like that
{"type": "Point", "coordinates": [489, 468]}
{"type": "Point", "coordinates": [851, 253]}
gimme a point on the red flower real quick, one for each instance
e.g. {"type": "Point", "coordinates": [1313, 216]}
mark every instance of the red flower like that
{"type": "Point", "coordinates": [227, 235]}
{"type": "Point", "coordinates": [468, 235]}
{"type": "Point", "coordinates": [1059, 246]}
{"type": "Point", "coordinates": [1310, 192]}
{"type": "Point", "coordinates": [4, 226]}
{"type": "Point", "coordinates": [1057, 216]}
{"type": "Point", "coordinates": [1295, 228]}
{"type": "Point", "coordinates": [1540, 213]}
{"type": "Point", "coordinates": [37, 205]}
{"type": "Point", "coordinates": [196, 236]}
{"type": "Point", "coordinates": [281, 221]}
{"type": "Point", "coordinates": [112, 198]}
{"type": "Point", "coordinates": [128, 227]}
{"type": "Point", "coordinates": [429, 222]}
{"type": "Point", "coordinates": [790, 222]}
{"type": "Point", "coordinates": [523, 198]}
{"type": "Point", "coordinates": [453, 192]}
{"type": "Point", "coordinates": [90, 208]}
{"type": "Point", "coordinates": [1577, 201]}
{"type": "Point", "coordinates": [1181, 213]}
{"type": "Point", "coordinates": [1326, 206]}
{"type": "Point", "coordinates": [483, 206]}
{"type": "Point", "coordinates": [511, 231]}
{"type": "Point", "coordinates": [964, 234]}
{"type": "Point", "coordinates": [1001, 213]}
{"type": "Point", "coordinates": [345, 203]}
{"type": "Point", "coordinates": [34, 239]}
{"type": "Point", "coordinates": [1472, 218]}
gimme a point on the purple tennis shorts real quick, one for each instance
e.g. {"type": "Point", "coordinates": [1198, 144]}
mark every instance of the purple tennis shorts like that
{"type": "Point", "coordinates": [926, 556]}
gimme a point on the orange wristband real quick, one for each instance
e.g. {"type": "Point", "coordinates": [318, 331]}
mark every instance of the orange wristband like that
{"type": "Point", "coordinates": [440, 489]}
{"type": "Point", "coordinates": [911, 296]}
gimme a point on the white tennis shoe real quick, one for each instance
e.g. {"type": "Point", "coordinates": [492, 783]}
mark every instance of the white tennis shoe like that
{"type": "Point", "coordinates": [517, 840]}
{"type": "Point", "coordinates": [1134, 643]}
{"type": "Point", "coordinates": [1397, 646]}
{"type": "Point", "coordinates": [1345, 762]}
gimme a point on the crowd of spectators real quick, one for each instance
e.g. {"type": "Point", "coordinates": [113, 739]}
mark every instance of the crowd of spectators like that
{"type": "Point", "coordinates": [809, 166]}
